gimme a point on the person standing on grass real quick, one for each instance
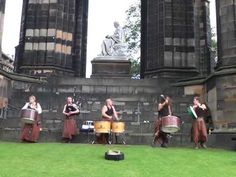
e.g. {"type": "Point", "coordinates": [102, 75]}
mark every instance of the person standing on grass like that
{"type": "Point", "coordinates": [70, 111]}
{"type": "Point", "coordinates": [199, 131]}
{"type": "Point", "coordinates": [108, 114]}
{"type": "Point", "coordinates": [164, 109]}
{"type": "Point", "coordinates": [30, 132]}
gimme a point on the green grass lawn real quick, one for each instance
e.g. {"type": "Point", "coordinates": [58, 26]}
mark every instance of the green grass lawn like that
{"type": "Point", "coordinates": [81, 160]}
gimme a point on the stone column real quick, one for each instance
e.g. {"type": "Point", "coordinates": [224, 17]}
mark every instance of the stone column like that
{"type": "Point", "coordinates": [2, 10]}
{"type": "Point", "coordinates": [168, 42]}
{"type": "Point", "coordinates": [221, 86]}
{"type": "Point", "coordinates": [202, 29]}
{"type": "Point", "coordinates": [226, 33]}
{"type": "Point", "coordinates": [53, 38]}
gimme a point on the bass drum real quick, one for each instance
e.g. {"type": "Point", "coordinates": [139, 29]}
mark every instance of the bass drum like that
{"type": "Point", "coordinates": [102, 126]}
{"type": "Point", "coordinates": [29, 116]}
{"type": "Point", "coordinates": [170, 124]}
{"type": "Point", "coordinates": [118, 127]}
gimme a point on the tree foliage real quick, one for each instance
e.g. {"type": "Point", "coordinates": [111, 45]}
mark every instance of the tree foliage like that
{"type": "Point", "coordinates": [133, 35]}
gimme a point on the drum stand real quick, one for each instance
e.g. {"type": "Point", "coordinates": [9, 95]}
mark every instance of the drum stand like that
{"type": "Point", "coordinates": [122, 135]}
{"type": "Point", "coordinates": [109, 138]}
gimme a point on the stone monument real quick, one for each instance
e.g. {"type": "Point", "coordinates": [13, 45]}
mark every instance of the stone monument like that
{"type": "Point", "coordinates": [112, 62]}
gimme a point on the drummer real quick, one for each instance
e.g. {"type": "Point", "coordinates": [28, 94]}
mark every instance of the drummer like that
{"type": "Point", "coordinates": [199, 131]}
{"type": "Point", "coordinates": [164, 109]}
{"type": "Point", "coordinates": [30, 132]}
{"type": "Point", "coordinates": [108, 114]}
{"type": "Point", "coordinates": [70, 110]}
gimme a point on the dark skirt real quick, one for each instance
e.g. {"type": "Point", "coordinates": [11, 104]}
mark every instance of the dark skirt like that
{"type": "Point", "coordinates": [30, 132]}
{"type": "Point", "coordinates": [70, 128]}
{"type": "Point", "coordinates": [159, 136]}
{"type": "Point", "coordinates": [199, 131]}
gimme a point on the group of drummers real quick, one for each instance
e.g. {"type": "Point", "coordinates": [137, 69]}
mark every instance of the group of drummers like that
{"type": "Point", "coordinates": [30, 117]}
{"type": "Point", "coordinates": [164, 125]}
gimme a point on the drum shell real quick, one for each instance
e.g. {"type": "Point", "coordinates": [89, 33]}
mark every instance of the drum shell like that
{"type": "Point", "coordinates": [29, 116]}
{"type": "Point", "coordinates": [118, 127]}
{"type": "Point", "coordinates": [170, 124]}
{"type": "Point", "coordinates": [102, 126]}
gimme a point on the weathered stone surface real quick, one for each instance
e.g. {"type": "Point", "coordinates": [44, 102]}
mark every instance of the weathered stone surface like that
{"type": "Point", "coordinates": [108, 67]}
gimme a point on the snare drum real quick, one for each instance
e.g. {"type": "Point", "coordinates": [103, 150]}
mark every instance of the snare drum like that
{"type": "Point", "coordinates": [102, 126]}
{"type": "Point", "coordinates": [170, 124]}
{"type": "Point", "coordinates": [118, 127]}
{"type": "Point", "coordinates": [29, 116]}
{"type": "Point", "coordinates": [192, 113]}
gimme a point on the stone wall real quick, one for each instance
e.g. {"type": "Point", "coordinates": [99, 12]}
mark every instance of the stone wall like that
{"type": "Point", "coordinates": [135, 101]}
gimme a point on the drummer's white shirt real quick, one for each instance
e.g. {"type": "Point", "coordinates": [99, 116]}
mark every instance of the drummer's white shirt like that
{"type": "Point", "coordinates": [38, 109]}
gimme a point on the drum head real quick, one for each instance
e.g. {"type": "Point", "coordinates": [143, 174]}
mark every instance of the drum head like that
{"type": "Point", "coordinates": [27, 121]}
{"type": "Point", "coordinates": [170, 129]}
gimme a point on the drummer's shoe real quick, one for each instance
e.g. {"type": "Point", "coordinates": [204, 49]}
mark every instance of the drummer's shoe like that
{"type": "Point", "coordinates": [164, 145]}
{"type": "Point", "coordinates": [196, 146]}
{"type": "Point", "coordinates": [153, 144]}
{"type": "Point", "coordinates": [203, 145]}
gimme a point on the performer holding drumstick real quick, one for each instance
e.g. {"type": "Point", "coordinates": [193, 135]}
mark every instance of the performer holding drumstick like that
{"type": "Point", "coordinates": [164, 109]}
{"type": "Point", "coordinates": [30, 132]}
{"type": "Point", "coordinates": [199, 131]}
{"type": "Point", "coordinates": [108, 114]}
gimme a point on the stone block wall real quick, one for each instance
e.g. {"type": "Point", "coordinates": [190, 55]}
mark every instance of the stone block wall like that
{"type": "Point", "coordinates": [135, 102]}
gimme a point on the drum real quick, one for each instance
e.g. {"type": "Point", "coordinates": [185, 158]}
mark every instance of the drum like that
{"type": "Point", "coordinates": [170, 124]}
{"type": "Point", "coordinates": [28, 116]}
{"type": "Point", "coordinates": [118, 127]}
{"type": "Point", "coordinates": [102, 126]}
{"type": "Point", "coordinates": [192, 113]}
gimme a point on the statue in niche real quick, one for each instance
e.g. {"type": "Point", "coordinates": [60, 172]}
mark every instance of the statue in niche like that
{"type": "Point", "coordinates": [114, 45]}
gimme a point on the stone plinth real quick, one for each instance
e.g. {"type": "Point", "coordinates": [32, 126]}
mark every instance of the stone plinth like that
{"type": "Point", "coordinates": [110, 67]}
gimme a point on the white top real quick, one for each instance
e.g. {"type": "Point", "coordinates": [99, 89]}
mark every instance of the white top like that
{"type": "Point", "coordinates": [38, 108]}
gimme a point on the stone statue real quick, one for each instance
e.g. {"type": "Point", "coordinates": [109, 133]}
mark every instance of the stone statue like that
{"type": "Point", "coordinates": [114, 45]}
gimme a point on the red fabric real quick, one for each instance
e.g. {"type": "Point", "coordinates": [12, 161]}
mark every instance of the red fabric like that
{"type": "Point", "coordinates": [70, 127]}
{"type": "Point", "coordinates": [159, 136]}
{"type": "Point", "coordinates": [199, 131]}
{"type": "Point", "coordinates": [30, 132]}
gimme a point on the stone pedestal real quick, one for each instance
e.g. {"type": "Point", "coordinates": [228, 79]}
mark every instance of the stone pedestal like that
{"type": "Point", "coordinates": [110, 67]}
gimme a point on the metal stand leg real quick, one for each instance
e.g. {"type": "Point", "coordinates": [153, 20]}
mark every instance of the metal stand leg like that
{"type": "Point", "coordinates": [94, 138]}
{"type": "Point", "coordinates": [109, 138]}
{"type": "Point", "coordinates": [122, 135]}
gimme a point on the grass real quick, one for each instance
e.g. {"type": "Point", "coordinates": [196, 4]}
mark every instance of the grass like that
{"type": "Point", "coordinates": [81, 160]}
